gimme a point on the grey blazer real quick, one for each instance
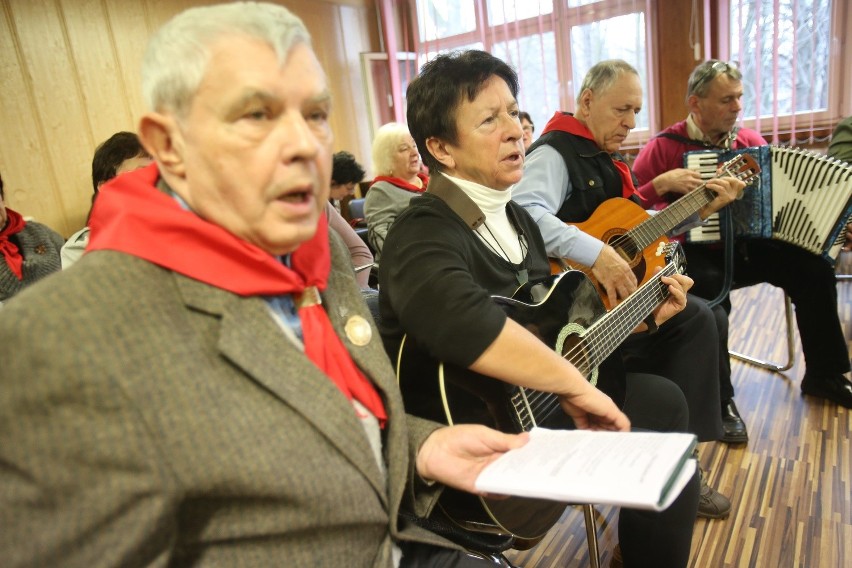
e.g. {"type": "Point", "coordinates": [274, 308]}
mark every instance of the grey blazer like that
{"type": "Point", "coordinates": [147, 419]}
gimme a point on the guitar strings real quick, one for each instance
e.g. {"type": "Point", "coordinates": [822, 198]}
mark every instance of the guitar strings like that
{"type": "Point", "coordinates": [642, 235]}
{"type": "Point", "coordinates": [647, 298]}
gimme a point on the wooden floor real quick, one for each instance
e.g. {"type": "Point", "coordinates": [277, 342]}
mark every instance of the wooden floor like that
{"type": "Point", "coordinates": [790, 486]}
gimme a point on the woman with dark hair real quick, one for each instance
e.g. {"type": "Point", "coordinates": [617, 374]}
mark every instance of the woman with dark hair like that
{"type": "Point", "coordinates": [346, 173]}
{"type": "Point", "coordinates": [122, 152]}
{"type": "Point", "coordinates": [528, 127]}
{"type": "Point", "coordinates": [465, 240]}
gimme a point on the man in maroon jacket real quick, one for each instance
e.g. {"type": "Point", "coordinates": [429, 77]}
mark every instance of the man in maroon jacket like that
{"type": "Point", "coordinates": [713, 97]}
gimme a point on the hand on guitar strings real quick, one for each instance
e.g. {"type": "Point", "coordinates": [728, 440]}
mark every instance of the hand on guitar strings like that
{"type": "Point", "coordinates": [727, 189]}
{"type": "Point", "coordinates": [591, 409]}
{"type": "Point", "coordinates": [679, 285]}
{"type": "Point", "coordinates": [456, 455]}
{"type": "Point", "coordinates": [614, 274]}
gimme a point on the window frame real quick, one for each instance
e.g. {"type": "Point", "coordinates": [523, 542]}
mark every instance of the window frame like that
{"type": "Point", "coordinates": [789, 127]}
{"type": "Point", "coordinates": [563, 20]}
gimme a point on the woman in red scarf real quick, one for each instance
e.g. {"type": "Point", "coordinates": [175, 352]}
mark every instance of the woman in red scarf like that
{"type": "Point", "coordinates": [29, 251]}
{"type": "Point", "coordinates": [396, 163]}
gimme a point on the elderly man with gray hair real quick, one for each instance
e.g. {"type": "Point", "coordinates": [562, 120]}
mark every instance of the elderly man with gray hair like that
{"type": "Point", "coordinates": [713, 98]}
{"type": "Point", "coordinates": [571, 170]}
{"type": "Point", "coordinates": [206, 387]}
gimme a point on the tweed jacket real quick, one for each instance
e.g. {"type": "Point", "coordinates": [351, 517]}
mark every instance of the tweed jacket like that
{"type": "Point", "coordinates": [39, 245]}
{"type": "Point", "coordinates": [155, 420]}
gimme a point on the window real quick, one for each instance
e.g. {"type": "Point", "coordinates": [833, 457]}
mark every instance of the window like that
{"type": "Point", "coordinates": [550, 43]}
{"type": "Point", "coordinates": [787, 52]}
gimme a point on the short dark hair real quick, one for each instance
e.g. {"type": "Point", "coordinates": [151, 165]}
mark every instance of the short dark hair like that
{"type": "Point", "coordinates": [111, 153]}
{"type": "Point", "coordinates": [345, 169]}
{"type": "Point", "coordinates": [524, 115]}
{"type": "Point", "coordinates": [434, 96]}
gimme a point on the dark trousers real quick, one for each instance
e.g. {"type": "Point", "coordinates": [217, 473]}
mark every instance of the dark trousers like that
{"type": "Point", "coordinates": [808, 279]}
{"type": "Point", "coordinates": [685, 350]}
{"type": "Point", "coordinates": [649, 538]}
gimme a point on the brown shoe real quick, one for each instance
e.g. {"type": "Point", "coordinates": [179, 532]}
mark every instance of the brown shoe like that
{"type": "Point", "coordinates": [711, 503]}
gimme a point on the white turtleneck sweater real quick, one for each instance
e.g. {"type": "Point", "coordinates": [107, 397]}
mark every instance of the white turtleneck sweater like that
{"type": "Point", "coordinates": [497, 231]}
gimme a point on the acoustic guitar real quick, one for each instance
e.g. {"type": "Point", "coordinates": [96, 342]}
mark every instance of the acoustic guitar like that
{"type": "Point", "coordinates": [566, 313]}
{"type": "Point", "coordinates": [636, 235]}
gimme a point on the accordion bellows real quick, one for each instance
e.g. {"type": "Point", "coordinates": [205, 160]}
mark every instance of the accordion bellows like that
{"type": "Point", "coordinates": [800, 197]}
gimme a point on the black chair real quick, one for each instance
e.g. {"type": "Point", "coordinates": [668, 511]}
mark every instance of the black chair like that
{"type": "Point", "coordinates": [727, 229]}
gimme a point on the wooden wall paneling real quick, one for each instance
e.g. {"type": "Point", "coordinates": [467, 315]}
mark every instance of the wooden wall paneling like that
{"type": "Point", "coordinates": [106, 104]}
{"type": "Point", "coordinates": [160, 11]}
{"type": "Point", "coordinates": [359, 33]}
{"type": "Point", "coordinates": [60, 116]}
{"type": "Point", "coordinates": [340, 33]}
{"type": "Point", "coordinates": [23, 165]}
{"type": "Point", "coordinates": [323, 23]}
{"type": "Point", "coordinates": [129, 27]}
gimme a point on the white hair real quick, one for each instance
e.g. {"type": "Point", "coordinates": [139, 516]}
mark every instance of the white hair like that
{"type": "Point", "coordinates": [384, 145]}
{"type": "Point", "coordinates": [177, 54]}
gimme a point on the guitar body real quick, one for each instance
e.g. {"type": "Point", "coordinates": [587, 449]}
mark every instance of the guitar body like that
{"type": "Point", "coordinates": [610, 223]}
{"type": "Point", "coordinates": [563, 304]}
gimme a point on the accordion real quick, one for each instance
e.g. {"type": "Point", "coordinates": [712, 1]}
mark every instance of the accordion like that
{"type": "Point", "coordinates": [800, 197]}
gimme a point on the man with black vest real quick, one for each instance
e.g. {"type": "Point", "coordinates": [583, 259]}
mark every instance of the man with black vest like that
{"type": "Point", "coordinates": [570, 171]}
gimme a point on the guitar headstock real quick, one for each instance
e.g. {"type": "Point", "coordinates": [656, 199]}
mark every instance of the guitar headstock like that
{"type": "Point", "coordinates": [675, 256]}
{"type": "Point", "coordinates": [743, 167]}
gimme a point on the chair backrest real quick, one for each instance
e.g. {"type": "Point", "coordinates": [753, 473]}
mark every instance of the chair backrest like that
{"type": "Point", "coordinates": [356, 208]}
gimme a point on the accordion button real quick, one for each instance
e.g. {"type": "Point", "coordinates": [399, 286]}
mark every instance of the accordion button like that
{"type": "Point", "coordinates": [591, 183]}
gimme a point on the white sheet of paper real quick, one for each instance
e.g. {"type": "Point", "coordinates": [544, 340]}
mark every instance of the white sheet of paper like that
{"type": "Point", "coordinates": [580, 466]}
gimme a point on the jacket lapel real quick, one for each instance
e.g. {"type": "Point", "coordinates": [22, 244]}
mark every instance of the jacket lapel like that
{"type": "Point", "coordinates": [252, 340]}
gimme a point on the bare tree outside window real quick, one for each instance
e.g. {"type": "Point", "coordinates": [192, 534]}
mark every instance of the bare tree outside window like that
{"type": "Point", "coordinates": [783, 48]}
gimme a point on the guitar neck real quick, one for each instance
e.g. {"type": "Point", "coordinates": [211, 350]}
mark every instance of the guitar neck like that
{"type": "Point", "coordinates": [663, 222]}
{"type": "Point", "coordinates": [743, 168]}
{"type": "Point", "coordinates": [608, 332]}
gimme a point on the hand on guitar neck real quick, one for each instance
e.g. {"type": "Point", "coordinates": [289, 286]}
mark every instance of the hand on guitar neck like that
{"type": "Point", "coordinates": [632, 238]}
{"type": "Point", "coordinates": [727, 189]}
{"type": "Point", "coordinates": [678, 285]}
{"type": "Point", "coordinates": [619, 281]}
{"type": "Point", "coordinates": [681, 181]}
{"type": "Point", "coordinates": [520, 358]}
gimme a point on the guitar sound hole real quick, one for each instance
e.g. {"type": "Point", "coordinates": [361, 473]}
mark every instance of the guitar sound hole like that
{"type": "Point", "coordinates": [627, 249]}
{"type": "Point", "coordinates": [575, 351]}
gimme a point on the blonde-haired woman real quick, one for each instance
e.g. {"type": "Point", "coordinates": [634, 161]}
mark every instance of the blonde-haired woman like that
{"type": "Point", "coordinates": [396, 164]}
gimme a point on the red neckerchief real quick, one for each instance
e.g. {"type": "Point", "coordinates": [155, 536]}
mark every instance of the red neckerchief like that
{"type": "Point", "coordinates": [402, 184]}
{"type": "Point", "coordinates": [567, 123]}
{"type": "Point", "coordinates": [132, 216]}
{"type": "Point", "coordinates": [11, 254]}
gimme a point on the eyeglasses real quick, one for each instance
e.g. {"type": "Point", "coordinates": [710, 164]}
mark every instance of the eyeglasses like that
{"type": "Point", "coordinates": [710, 73]}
